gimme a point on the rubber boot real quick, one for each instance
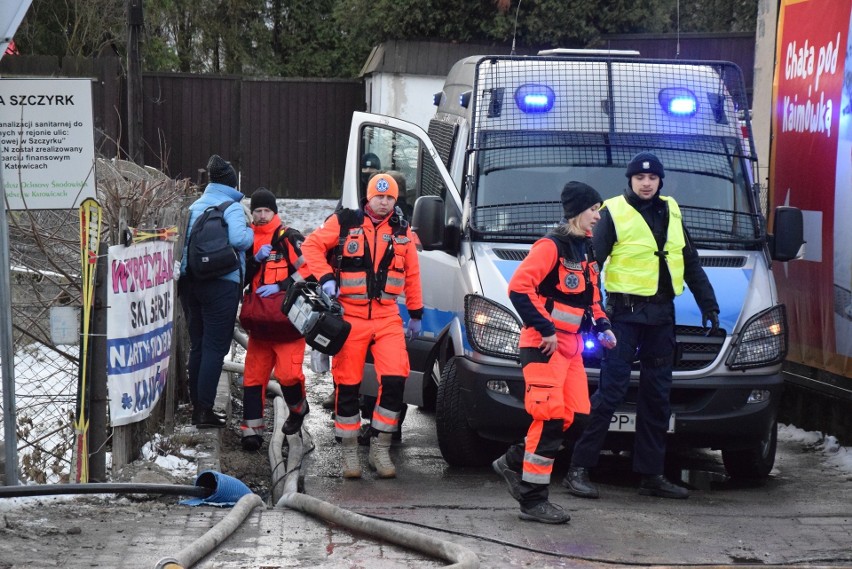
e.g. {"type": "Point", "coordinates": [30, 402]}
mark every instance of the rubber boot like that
{"type": "Point", "coordinates": [380, 459]}
{"type": "Point", "coordinates": [351, 463]}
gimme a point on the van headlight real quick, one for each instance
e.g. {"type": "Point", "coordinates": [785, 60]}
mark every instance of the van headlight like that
{"type": "Point", "coordinates": [763, 340]}
{"type": "Point", "coordinates": [491, 328]}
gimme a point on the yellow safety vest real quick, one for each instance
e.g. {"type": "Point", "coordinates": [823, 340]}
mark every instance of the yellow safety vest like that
{"type": "Point", "coordinates": [633, 267]}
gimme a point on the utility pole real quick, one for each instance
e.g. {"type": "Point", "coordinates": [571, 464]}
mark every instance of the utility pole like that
{"type": "Point", "coordinates": [11, 14]}
{"type": "Point", "coordinates": [135, 20]}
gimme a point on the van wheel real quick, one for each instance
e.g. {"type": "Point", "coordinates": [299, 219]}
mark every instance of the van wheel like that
{"type": "Point", "coordinates": [753, 463]}
{"type": "Point", "coordinates": [460, 445]}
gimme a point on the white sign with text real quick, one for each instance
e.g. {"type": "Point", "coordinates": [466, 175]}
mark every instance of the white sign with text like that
{"type": "Point", "coordinates": [47, 142]}
{"type": "Point", "coordinates": [139, 327]}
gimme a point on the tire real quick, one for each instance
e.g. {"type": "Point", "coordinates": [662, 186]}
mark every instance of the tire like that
{"type": "Point", "coordinates": [460, 445]}
{"type": "Point", "coordinates": [753, 463]}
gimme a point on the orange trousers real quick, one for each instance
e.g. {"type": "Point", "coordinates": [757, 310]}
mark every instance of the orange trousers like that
{"type": "Point", "coordinates": [556, 388]}
{"type": "Point", "coordinates": [262, 359]}
{"type": "Point", "coordinates": [385, 339]}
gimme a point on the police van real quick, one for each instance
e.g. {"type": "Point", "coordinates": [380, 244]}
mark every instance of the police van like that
{"type": "Point", "coordinates": [484, 184]}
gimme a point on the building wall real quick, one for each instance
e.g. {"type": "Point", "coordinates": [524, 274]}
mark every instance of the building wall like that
{"type": "Point", "coordinates": [406, 97]}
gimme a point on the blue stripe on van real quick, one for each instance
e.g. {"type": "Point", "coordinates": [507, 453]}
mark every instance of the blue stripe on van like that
{"type": "Point", "coordinates": [730, 286]}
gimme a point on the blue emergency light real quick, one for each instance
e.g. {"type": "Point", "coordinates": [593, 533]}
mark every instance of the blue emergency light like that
{"type": "Point", "coordinates": [678, 102]}
{"type": "Point", "coordinates": [532, 98]}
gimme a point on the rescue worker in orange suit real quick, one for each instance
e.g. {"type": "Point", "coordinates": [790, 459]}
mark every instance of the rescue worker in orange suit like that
{"type": "Point", "coordinates": [276, 263]}
{"type": "Point", "coordinates": [649, 257]}
{"type": "Point", "coordinates": [555, 292]}
{"type": "Point", "coordinates": [373, 262]}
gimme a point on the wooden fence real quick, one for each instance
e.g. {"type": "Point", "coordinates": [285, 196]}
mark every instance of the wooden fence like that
{"type": "Point", "coordinates": [289, 135]}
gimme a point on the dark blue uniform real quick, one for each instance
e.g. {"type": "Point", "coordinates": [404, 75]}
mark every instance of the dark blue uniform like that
{"type": "Point", "coordinates": [644, 327]}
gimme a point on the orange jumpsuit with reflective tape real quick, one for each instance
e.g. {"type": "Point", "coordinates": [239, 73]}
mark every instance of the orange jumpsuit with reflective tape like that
{"type": "Point", "coordinates": [554, 290]}
{"type": "Point", "coordinates": [377, 264]}
{"type": "Point", "coordinates": [284, 266]}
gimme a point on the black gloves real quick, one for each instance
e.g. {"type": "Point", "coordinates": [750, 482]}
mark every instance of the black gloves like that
{"type": "Point", "coordinates": [713, 317]}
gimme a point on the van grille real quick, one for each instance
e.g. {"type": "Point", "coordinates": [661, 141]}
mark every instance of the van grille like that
{"type": "Point", "coordinates": [724, 262]}
{"type": "Point", "coordinates": [511, 254]}
{"type": "Point", "coordinates": [693, 350]}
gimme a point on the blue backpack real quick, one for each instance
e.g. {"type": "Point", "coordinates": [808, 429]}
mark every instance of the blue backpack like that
{"type": "Point", "coordinates": [209, 254]}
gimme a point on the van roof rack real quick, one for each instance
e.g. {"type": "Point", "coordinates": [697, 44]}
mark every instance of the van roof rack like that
{"type": "Point", "coordinates": [591, 52]}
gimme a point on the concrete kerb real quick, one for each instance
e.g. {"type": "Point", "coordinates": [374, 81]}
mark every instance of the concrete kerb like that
{"type": "Point", "coordinates": [209, 445]}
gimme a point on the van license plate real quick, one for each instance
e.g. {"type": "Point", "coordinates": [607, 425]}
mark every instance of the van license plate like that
{"type": "Point", "coordinates": [626, 423]}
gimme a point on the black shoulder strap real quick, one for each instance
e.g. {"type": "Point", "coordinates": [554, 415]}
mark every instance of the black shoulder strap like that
{"type": "Point", "coordinates": [347, 219]}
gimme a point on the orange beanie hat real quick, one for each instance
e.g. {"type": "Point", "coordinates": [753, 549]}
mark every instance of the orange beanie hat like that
{"type": "Point", "coordinates": [382, 185]}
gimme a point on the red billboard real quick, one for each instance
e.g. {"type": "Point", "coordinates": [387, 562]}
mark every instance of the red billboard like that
{"type": "Point", "coordinates": [811, 169]}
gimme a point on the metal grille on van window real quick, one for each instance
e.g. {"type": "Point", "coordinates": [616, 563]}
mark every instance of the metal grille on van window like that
{"type": "Point", "coordinates": [511, 254]}
{"type": "Point", "coordinates": [712, 226]}
{"type": "Point", "coordinates": [724, 262]}
{"type": "Point", "coordinates": [584, 118]}
{"type": "Point", "coordinates": [442, 135]}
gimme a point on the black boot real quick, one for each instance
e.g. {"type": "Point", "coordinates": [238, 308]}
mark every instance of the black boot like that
{"type": "Point", "coordinates": [658, 486]}
{"type": "Point", "coordinates": [252, 443]}
{"type": "Point", "coordinates": [512, 478]}
{"type": "Point", "coordinates": [207, 419]}
{"type": "Point", "coordinates": [544, 512]}
{"type": "Point", "coordinates": [578, 483]}
{"type": "Point", "coordinates": [294, 421]}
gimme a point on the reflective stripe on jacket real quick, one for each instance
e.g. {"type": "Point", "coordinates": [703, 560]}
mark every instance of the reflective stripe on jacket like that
{"type": "Point", "coordinates": [633, 266]}
{"type": "Point", "coordinates": [551, 290]}
{"type": "Point", "coordinates": [368, 287]}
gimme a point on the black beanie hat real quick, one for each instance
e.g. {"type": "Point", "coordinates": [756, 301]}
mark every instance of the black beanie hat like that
{"type": "Point", "coordinates": [577, 197]}
{"type": "Point", "coordinates": [263, 198]}
{"type": "Point", "coordinates": [370, 160]}
{"type": "Point", "coordinates": [221, 172]}
{"type": "Point", "coordinates": [645, 162]}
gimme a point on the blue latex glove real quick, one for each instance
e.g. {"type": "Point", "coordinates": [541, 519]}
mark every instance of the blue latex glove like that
{"type": "Point", "coordinates": [412, 329]}
{"type": "Point", "coordinates": [330, 288]}
{"type": "Point", "coordinates": [263, 252]}
{"type": "Point", "coordinates": [268, 290]}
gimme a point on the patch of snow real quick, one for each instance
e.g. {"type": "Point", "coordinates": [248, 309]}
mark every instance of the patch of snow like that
{"type": "Point", "coordinates": [833, 454]}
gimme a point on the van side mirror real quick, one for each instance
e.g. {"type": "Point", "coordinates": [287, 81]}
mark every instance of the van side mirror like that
{"type": "Point", "coordinates": [787, 241]}
{"type": "Point", "coordinates": [427, 221]}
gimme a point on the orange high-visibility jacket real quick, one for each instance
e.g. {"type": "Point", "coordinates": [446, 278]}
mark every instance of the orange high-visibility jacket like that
{"type": "Point", "coordinates": [551, 290]}
{"type": "Point", "coordinates": [285, 264]}
{"type": "Point", "coordinates": [377, 264]}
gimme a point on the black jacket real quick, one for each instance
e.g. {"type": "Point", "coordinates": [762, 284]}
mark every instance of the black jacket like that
{"type": "Point", "coordinates": [661, 309]}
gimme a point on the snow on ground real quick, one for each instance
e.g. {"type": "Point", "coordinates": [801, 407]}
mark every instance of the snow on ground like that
{"type": "Point", "coordinates": [305, 215]}
{"type": "Point", "coordinates": [833, 454]}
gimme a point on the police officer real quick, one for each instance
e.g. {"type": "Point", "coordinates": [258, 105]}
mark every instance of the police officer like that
{"type": "Point", "coordinates": [649, 257]}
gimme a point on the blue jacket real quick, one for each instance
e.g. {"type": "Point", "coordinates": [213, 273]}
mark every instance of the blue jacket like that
{"type": "Point", "coordinates": [240, 234]}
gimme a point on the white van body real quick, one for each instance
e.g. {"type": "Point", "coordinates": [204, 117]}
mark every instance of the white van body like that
{"type": "Point", "coordinates": [508, 133]}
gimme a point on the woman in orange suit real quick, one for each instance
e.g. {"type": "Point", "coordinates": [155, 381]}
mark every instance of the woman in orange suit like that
{"type": "Point", "coordinates": [556, 293]}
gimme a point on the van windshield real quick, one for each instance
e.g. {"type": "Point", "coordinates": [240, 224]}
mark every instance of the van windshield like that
{"type": "Point", "coordinates": [520, 175]}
